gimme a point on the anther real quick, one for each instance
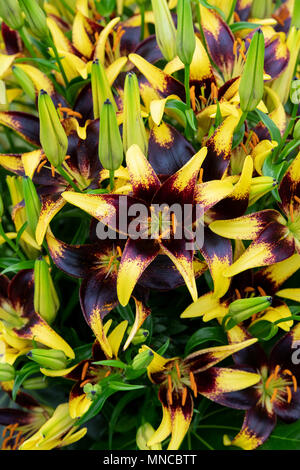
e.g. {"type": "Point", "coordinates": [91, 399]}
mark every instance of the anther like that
{"type": "Point", "coordinates": [177, 370]}
{"type": "Point", "coordinates": [261, 291]}
{"type": "Point", "coordinates": [84, 370]}
{"type": "Point", "coordinates": [274, 394]}
{"type": "Point", "coordinates": [184, 395]}
{"type": "Point", "coordinates": [289, 394]}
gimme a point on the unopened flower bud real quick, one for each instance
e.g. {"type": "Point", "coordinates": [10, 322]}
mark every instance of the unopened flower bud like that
{"type": "Point", "coordinates": [133, 125]}
{"type": "Point", "coordinates": [110, 143]}
{"type": "Point", "coordinates": [242, 309]}
{"type": "Point", "coordinates": [140, 336]}
{"type": "Point", "coordinates": [7, 372]}
{"type": "Point", "coordinates": [251, 88]}
{"type": "Point", "coordinates": [92, 391]}
{"type": "Point", "coordinates": [35, 17]}
{"type": "Point", "coordinates": [142, 359]}
{"type": "Point", "coordinates": [32, 203]}
{"type": "Point", "coordinates": [46, 301]}
{"type": "Point", "coordinates": [260, 186]}
{"type": "Point", "coordinates": [185, 37]}
{"type": "Point", "coordinates": [36, 383]}
{"type": "Point", "coordinates": [101, 89]}
{"type": "Point", "coordinates": [24, 81]}
{"type": "Point", "coordinates": [164, 29]}
{"type": "Point", "coordinates": [11, 13]}
{"type": "Point", "coordinates": [296, 133]}
{"type": "Point", "coordinates": [52, 135]}
{"type": "Point", "coordinates": [296, 14]}
{"type": "Point", "coordinates": [48, 358]}
{"type": "Point", "coordinates": [143, 435]}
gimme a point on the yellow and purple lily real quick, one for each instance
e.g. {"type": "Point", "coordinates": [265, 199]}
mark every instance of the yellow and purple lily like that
{"type": "Point", "coordinates": [197, 373]}
{"type": "Point", "coordinates": [275, 237]}
{"type": "Point", "coordinates": [19, 317]}
{"type": "Point", "coordinates": [275, 395]}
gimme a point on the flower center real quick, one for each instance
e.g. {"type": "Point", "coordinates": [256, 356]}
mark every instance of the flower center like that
{"type": "Point", "coordinates": [276, 386]}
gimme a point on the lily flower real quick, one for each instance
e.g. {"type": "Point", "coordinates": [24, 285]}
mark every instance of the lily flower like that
{"type": "Point", "coordinates": [20, 424]}
{"type": "Point", "coordinates": [19, 318]}
{"type": "Point", "coordinates": [139, 253]}
{"type": "Point", "coordinates": [87, 374]}
{"type": "Point", "coordinates": [275, 395]}
{"type": "Point", "coordinates": [197, 373]}
{"type": "Point", "coordinates": [58, 431]}
{"type": "Point", "coordinates": [275, 236]}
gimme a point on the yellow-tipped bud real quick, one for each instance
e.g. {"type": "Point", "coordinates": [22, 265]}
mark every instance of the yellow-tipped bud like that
{"type": "Point", "coordinates": [260, 186]}
{"type": "Point", "coordinates": [242, 309]}
{"type": "Point", "coordinates": [251, 88]}
{"type": "Point", "coordinates": [101, 90]}
{"type": "Point", "coordinates": [46, 301]}
{"type": "Point", "coordinates": [133, 125]}
{"type": "Point", "coordinates": [36, 383]}
{"type": "Point", "coordinates": [48, 358]}
{"type": "Point", "coordinates": [110, 143]}
{"type": "Point", "coordinates": [143, 435]}
{"type": "Point", "coordinates": [142, 359]}
{"type": "Point", "coordinates": [52, 135]}
{"type": "Point", "coordinates": [185, 37]}
{"type": "Point", "coordinates": [164, 29]}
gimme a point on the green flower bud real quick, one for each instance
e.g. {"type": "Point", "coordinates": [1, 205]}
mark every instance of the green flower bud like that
{"type": "Point", "coordinates": [92, 391]}
{"type": "Point", "coordinates": [133, 125]}
{"type": "Point", "coordinates": [46, 301]}
{"type": "Point", "coordinates": [260, 186]}
{"type": "Point", "coordinates": [110, 143]}
{"type": "Point", "coordinates": [32, 203]}
{"type": "Point", "coordinates": [242, 309]}
{"type": "Point", "coordinates": [52, 135]}
{"type": "Point", "coordinates": [296, 14]}
{"type": "Point", "coordinates": [142, 359]}
{"type": "Point", "coordinates": [48, 358]}
{"type": "Point", "coordinates": [24, 81]}
{"type": "Point", "coordinates": [36, 383]}
{"type": "Point", "coordinates": [295, 92]}
{"type": "Point", "coordinates": [143, 435]}
{"type": "Point", "coordinates": [140, 336]}
{"type": "Point", "coordinates": [3, 97]}
{"type": "Point", "coordinates": [101, 89]}
{"type": "Point", "coordinates": [262, 8]}
{"type": "Point", "coordinates": [11, 13]}
{"type": "Point", "coordinates": [185, 37]}
{"type": "Point", "coordinates": [164, 29]}
{"type": "Point", "coordinates": [251, 88]}
{"type": "Point", "coordinates": [35, 17]}
{"type": "Point", "coordinates": [7, 372]}
{"type": "Point", "coordinates": [296, 133]}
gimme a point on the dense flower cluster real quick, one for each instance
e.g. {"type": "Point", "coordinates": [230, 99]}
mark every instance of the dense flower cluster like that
{"type": "Point", "coordinates": [149, 224]}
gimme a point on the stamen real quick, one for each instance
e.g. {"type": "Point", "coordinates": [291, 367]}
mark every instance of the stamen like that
{"type": "Point", "coordinates": [295, 384]}
{"type": "Point", "coordinates": [261, 291]}
{"type": "Point", "coordinates": [292, 211]}
{"type": "Point", "coordinates": [52, 171]}
{"type": "Point", "coordinates": [242, 54]}
{"type": "Point", "coordinates": [119, 251]}
{"type": "Point", "coordinates": [201, 175]}
{"type": "Point", "coordinates": [84, 370]}
{"type": "Point", "coordinates": [203, 99]}
{"type": "Point", "coordinates": [269, 380]}
{"type": "Point", "coordinates": [120, 33]}
{"type": "Point", "coordinates": [236, 17]}
{"type": "Point", "coordinates": [289, 394]}
{"type": "Point", "coordinates": [70, 112]}
{"type": "Point", "coordinates": [235, 44]}
{"type": "Point", "coordinates": [18, 437]}
{"type": "Point", "coordinates": [107, 373]}
{"type": "Point", "coordinates": [170, 389]}
{"type": "Point", "coordinates": [84, 383]}
{"type": "Point", "coordinates": [297, 199]}
{"type": "Point", "coordinates": [244, 148]}
{"type": "Point", "coordinates": [278, 19]}
{"type": "Point", "coordinates": [274, 394]}
{"type": "Point", "coordinates": [177, 370]}
{"type": "Point", "coordinates": [5, 442]}
{"type": "Point", "coordinates": [184, 395]}
{"type": "Point", "coordinates": [249, 289]}
{"type": "Point", "coordinates": [255, 138]}
{"type": "Point", "coordinates": [193, 384]}
{"type": "Point", "coordinates": [277, 369]}
{"type": "Point", "coordinates": [237, 293]}
{"type": "Point", "coordinates": [111, 260]}
{"type": "Point", "coordinates": [193, 97]}
{"type": "Point", "coordinates": [41, 166]}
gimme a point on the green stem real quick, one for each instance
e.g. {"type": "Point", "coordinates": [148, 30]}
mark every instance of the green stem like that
{"type": "Point", "coordinates": [23, 33]}
{"type": "Point", "coordinates": [187, 85]}
{"type": "Point", "coordinates": [65, 175]}
{"type": "Point", "coordinates": [112, 179]}
{"type": "Point", "coordinates": [231, 11]}
{"type": "Point", "coordinates": [13, 246]}
{"type": "Point", "coordinates": [58, 61]}
{"type": "Point", "coordinates": [142, 10]}
{"type": "Point", "coordinates": [241, 121]}
{"type": "Point", "coordinates": [287, 132]}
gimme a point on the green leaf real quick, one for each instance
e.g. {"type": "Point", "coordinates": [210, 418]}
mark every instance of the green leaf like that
{"type": "Point", "coordinates": [163, 348]}
{"type": "Point", "coordinates": [263, 330]}
{"type": "Point", "coordinates": [29, 264]}
{"type": "Point", "coordinates": [209, 333]}
{"type": "Point", "coordinates": [124, 386]}
{"type": "Point", "coordinates": [23, 374]}
{"type": "Point", "coordinates": [270, 124]}
{"type": "Point", "coordinates": [243, 25]}
{"type": "Point", "coordinates": [96, 406]}
{"type": "Point", "coordinates": [111, 363]}
{"type": "Point", "coordinates": [20, 232]}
